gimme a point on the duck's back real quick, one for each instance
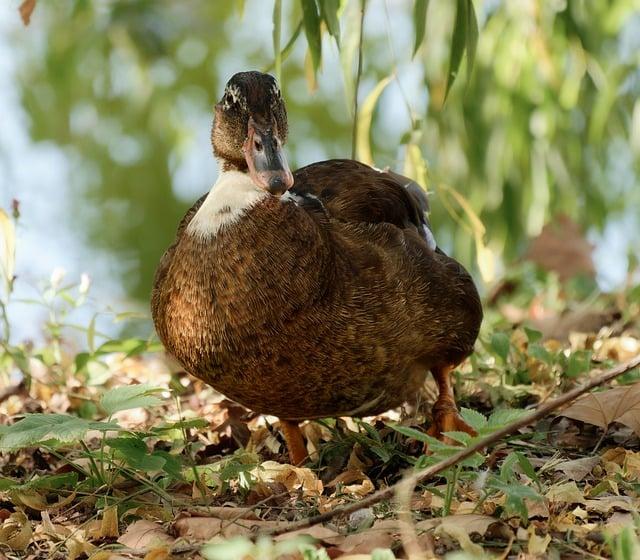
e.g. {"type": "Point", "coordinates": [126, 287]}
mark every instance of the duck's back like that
{"type": "Point", "coordinates": [360, 303]}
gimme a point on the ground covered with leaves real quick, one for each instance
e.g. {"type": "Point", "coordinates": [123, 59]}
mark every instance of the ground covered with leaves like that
{"type": "Point", "coordinates": [110, 451]}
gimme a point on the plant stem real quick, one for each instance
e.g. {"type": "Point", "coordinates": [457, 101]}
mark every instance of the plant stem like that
{"type": "Point", "coordinates": [94, 467]}
{"type": "Point", "coordinates": [451, 487]}
{"type": "Point", "coordinates": [6, 327]}
{"type": "Point", "coordinates": [188, 449]}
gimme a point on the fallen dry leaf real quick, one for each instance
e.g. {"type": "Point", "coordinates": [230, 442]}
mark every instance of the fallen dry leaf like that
{"type": "Point", "coordinates": [621, 404]}
{"type": "Point", "coordinates": [471, 523]}
{"type": "Point", "coordinates": [567, 492]}
{"type": "Point", "coordinates": [620, 348]}
{"type": "Point", "coordinates": [161, 553]}
{"type": "Point", "coordinates": [205, 528]}
{"type": "Point", "coordinates": [77, 546]}
{"type": "Point", "coordinates": [618, 521]}
{"type": "Point", "coordinates": [461, 535]}
{"type": "Point", "coordinates": [16, 531]}
{"type": "Point", "coordinates": [292, 477]}
{"type": "Point", "coordinates": [365, 542]}
{"type": "Point", "coordinates": [29, 498]}
{"type": "Point", "coordinates": [143, 534]}
{"type": "Point", "coordinates": [347, 479]}
{"type": "Point", "coordinates": [537, 546]}
{"type": "Point", "coordinates": [109, 523]}
{"type": "Point", "coordinates": [605, 504]}
{"type": "Point", "coordinates": [577, 469]}
{"type": "Point", "coordinates": [26, 10]}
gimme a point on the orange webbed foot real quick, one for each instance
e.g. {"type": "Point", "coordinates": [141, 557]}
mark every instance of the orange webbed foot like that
{"type": "Point", "coordinates": [446, 417]}
{"type": "Point", "coordinates": [448, 420]}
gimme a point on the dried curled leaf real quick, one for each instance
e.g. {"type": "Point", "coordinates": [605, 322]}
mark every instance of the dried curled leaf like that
{"type": "Point", "coordinates": [621, 404]}
{"type": "Point", "coordinates": [26, 10]}
{"type": "Point", "coordinates": [16, 531]}
{"type": "Point", "coordinates": [143, 534]}
{"type": "Point", "coordinates": [293, 478]}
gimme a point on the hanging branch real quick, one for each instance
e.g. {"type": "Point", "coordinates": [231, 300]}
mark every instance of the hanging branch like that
{"type": "Point", "coordinates": [487, 441]}
{"type": "Point", "coordinates": [354, 133]}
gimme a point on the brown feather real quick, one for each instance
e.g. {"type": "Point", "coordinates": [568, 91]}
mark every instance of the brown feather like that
{"type": "Point", "coordinates": [331, 306]}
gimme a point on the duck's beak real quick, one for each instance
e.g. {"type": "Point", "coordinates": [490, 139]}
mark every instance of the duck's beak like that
{"type": "Point", "coordinates": [266, 161]}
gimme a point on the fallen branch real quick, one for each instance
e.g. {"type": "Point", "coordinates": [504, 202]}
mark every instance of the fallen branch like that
{"type": "Point", "coordinates": [429, 472]}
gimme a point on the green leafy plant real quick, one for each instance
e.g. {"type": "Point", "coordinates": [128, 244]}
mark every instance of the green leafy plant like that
{"type": "Point", "coordinates": [263, 549]}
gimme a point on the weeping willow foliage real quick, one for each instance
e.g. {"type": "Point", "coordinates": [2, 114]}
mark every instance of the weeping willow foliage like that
{"type": "Point", "coordinates": [510, 111]}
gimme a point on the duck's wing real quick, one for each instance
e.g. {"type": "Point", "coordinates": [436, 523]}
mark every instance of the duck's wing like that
{"type": "Point", "coordinates": [350, 191]}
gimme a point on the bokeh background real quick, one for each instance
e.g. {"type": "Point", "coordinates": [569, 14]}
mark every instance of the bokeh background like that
{"type": "Point", "coordinates": [105, 114]}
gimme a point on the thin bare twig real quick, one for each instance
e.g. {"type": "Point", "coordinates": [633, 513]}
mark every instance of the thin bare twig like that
{"type": "Point", "coordinates": [431, 471]}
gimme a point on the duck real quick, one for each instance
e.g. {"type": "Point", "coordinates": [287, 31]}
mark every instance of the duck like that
{"type": "Point", "coordinates": [314, 294]}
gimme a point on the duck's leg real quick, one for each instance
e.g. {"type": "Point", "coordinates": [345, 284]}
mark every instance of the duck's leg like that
{"type": "Point", "coordinates": [446, 417]}
{"type": "Point", "coordinates": [295, 442]}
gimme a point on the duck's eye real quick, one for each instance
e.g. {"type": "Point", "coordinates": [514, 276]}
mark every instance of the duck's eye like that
{"type": "Point", "coordinates": [257, 144]}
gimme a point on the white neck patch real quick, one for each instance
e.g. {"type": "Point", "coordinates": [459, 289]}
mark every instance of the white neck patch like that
{"type": "Point", "coordinates": [232, 195]}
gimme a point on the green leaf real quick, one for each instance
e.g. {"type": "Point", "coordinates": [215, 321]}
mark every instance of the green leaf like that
{"type": "Point", "coordinates": [98, 372]}
{"type": "Point", "coordinates": [472, 37]}
{"type": "Point", "coordinates": [134, 452]}
{"type": "Point", "coordinates": [579, 363]}
{"type": "Point", "coordinates": [500, 418]}
{"type": "Point", "coordinates": [515, 494]}
{"type": "Point", "coordinates": [458, 42]}
{"type": "Point", "coordinates": [52, 482]}
{"type": "Point", "coordinates": [329, 10]}
{"type": "Point", "coordinates": [81, 360]}
{"type": "Point", "coordinates": [540, 353]}
{"type": "Point", "coordinates": [91, 333]}
{"type": "Point", "coordinates": [7, 483]}
{"type": "Point", "coordinates": [128, 346]}
{"type": "Point", "coordinates": [197, 423]}
{"type": "Point", "coordinates": [311, 552]}
{"type": "Point", "coordinates": [532, 334]}
{"type": "Point", "coordinates": [363, 146]}
{"type": "Point", "coordinates": [419, 22]}
{"type": "Point", "coordinates": [231, 549]}
{"type": "Point", "coordinates": [501, 345]}
{"type": "Point", "coordinates": [474, 418]}
{"type": "Point", "coordinates": [461, 437]}
{"type": "Point", "coordinates": [412, 433]}
{"type": "Point", "coordinates": [130, 396]}
{"type": "Point", "coordinates": [382, 554]}
{"type": "Point", "coordinates": [172, 464]}
{"type": "Point", "coordinates": [349, 49]}
{"type": "Point", "coordinates": [289, 46]}
{"type": "Point", "coordinates": [527, 467]}
{"type": "Point", "coordinates": [311, 22]}
{"type": "Point", "coordinates": [36, 429]}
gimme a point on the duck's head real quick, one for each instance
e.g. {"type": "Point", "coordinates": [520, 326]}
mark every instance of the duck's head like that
{"type": "Point", "coordinates": [250, 129]}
